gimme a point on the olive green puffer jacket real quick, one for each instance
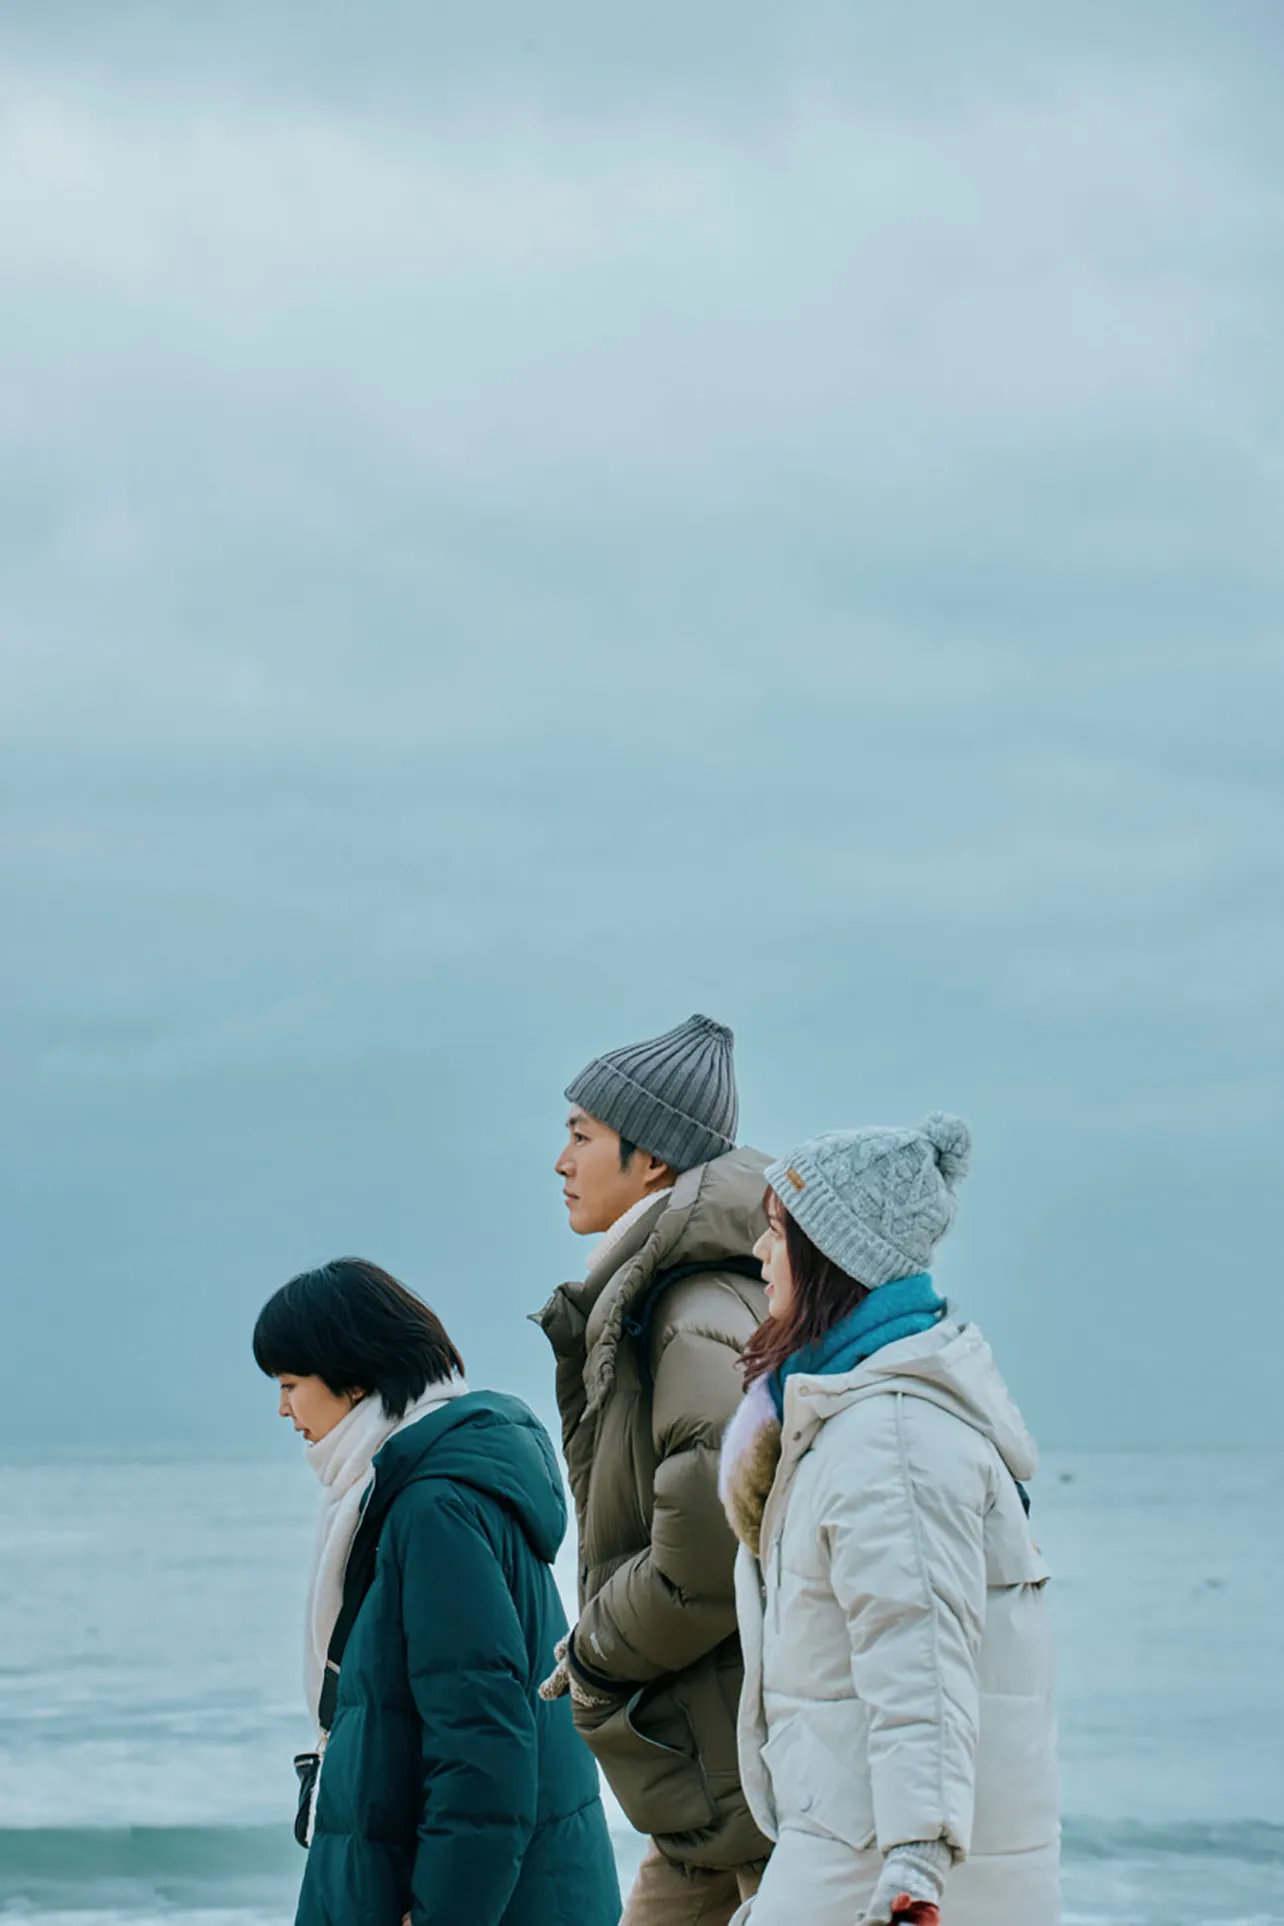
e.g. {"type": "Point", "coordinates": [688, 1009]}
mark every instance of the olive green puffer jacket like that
{"type": "Point", "coordinates": [647, 1379]}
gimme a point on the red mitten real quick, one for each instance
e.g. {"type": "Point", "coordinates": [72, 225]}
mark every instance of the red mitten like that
{"type": "Point", "coordinates": [914, 1912]}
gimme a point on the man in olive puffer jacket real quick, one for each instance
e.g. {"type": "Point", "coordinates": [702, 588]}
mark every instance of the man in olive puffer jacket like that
{"type": "Point", "coordinates": [648, 1377]}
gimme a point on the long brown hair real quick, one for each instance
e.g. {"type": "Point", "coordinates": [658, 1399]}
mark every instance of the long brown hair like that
{"type": "Point", "coordinates": [824, 1294]}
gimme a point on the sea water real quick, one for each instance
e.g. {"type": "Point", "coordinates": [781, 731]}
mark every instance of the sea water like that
{"type": "Point", "coordinates": [150, 1689]}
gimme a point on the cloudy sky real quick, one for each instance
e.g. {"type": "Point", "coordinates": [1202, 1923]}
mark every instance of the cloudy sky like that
{"type": "Point", "coordinates": [521, 523]}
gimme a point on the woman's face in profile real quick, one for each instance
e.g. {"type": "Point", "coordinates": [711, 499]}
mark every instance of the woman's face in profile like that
{"type": "Point", "coordinates": [772, 1253]}
{"type": "Point", "coordinates": [312, 1406]}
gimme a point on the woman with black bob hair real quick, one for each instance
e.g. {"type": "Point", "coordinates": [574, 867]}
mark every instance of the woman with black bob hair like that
{"type": "Point", "coordinates": [443, 1789]}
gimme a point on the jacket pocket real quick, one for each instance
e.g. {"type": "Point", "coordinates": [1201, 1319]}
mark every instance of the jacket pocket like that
{"type": "Point", "coordinates": [1017, 1799]}
{"type": "Point", "coordinates": [646, 1747]}
{"type": "Point", "coordinates": [818, 1762]}
{"type": "Point", "coordinates": [1017, 1793]}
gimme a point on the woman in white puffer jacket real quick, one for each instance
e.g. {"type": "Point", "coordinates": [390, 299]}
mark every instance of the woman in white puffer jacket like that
{"type": "Point", "coordinates": [897, 1734]}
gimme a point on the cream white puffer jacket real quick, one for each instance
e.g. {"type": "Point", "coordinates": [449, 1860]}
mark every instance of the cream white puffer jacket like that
{"type": "Point", "coordinates": [898, 1660]}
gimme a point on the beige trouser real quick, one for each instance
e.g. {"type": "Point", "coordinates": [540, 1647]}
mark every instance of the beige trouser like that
{"type": "Point", "coordinates": [668, 1895]}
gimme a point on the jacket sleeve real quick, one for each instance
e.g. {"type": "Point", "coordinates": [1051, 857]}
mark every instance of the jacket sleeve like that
{"type": "Point", "coordinates": [906, 1540]}
{"type": "Point", "coordinates": [467, 1664]}
{"type": "Point", "coordinates": [673, 1602]}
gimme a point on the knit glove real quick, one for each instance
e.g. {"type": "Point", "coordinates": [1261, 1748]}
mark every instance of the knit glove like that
{"type": "Point", "coordinates": [911, 1885]}
{"type": "Point", "coordinates": [562, 1680]}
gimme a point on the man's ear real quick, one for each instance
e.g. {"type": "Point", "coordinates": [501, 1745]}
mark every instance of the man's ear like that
{"type": "Point", "coordinates": [659, 1175]}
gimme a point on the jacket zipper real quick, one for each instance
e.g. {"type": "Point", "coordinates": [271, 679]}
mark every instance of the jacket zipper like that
{"type": "Point", "coordinates": [775, 1609]}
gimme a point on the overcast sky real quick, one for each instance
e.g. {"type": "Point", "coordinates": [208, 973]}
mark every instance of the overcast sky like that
{"type": "Point", "coordinates": [518, 524]}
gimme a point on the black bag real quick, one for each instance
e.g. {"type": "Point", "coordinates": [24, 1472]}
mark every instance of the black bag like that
{"type": "Point", "coordinates": [307, 1765]}
{"type": "Point", "coordinates": [357, 1580]}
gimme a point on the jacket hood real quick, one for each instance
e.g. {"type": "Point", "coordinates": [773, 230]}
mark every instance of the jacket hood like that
{"type": "Point", "coordinates": [714, 1211]}
{"type": "Point", "coordinates": [492, 1443]}
{"type": "Point", "coordinates": [951, 1366]}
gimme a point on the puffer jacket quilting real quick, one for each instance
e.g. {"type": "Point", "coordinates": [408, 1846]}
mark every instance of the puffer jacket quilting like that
{"type": "Point", "coordinates": [895, 1632]}
{"type": "Point", "coordinates": [646, 1386]}
{"type": "Point", "coordinates": [450, 1791]}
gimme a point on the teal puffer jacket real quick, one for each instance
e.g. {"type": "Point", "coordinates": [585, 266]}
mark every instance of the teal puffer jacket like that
{"type": "Point", "coordinates": [450, 1790]}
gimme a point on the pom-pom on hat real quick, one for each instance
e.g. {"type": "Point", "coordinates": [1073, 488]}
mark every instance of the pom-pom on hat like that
{"type": "Point", "coordinates": [877, 1201]}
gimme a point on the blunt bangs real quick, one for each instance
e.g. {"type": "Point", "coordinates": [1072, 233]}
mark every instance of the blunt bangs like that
{"type": "Point", "coordinates": [356, 1328]}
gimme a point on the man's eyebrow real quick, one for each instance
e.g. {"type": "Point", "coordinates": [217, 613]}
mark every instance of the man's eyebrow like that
{"type": "Point", "coordinates": [576, 1118]}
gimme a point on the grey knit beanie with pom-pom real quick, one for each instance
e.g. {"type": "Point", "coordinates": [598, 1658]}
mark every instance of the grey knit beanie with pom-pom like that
{"type": "Point", "coordinates": [877, 1201]}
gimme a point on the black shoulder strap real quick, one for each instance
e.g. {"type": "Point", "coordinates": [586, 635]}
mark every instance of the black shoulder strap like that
{"type": "Point", "coordinates": [357, 1580]}
{"type": "Point", "coordinates": [638, 1324]}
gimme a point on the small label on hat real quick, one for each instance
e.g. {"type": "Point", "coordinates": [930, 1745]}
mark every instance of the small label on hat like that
{"type": "Point", "coordinates": [797, 1182]}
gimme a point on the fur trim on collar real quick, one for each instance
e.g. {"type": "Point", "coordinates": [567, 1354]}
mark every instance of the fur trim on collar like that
{"type": "Point", "coordinates": [747, 1469]}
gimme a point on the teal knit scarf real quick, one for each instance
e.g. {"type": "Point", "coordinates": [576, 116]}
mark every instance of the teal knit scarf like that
{"type": "Point", "coordinates": [901, 1309]}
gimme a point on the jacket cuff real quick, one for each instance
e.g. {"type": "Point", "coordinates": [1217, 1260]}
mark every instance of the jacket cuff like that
{"type": "Point", "coordinates": [921, 1866]}
{"type": "Point", "coordinates": [595, 1681]}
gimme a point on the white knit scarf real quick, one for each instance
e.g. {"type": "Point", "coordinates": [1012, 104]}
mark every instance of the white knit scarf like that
{"type": "Point", "coordinates": [622, 1225]}
{"type": "Point", "coordinates": [344, 1462]}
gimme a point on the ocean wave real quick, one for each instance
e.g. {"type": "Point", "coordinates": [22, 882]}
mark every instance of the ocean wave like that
{"type": "Point", "coordinates": [1116, 1874]}
{"type": "Point", "coordinates": [40, 1864]}
{"type": "Point", "coordinates": [1244, 1841]}
{"type": "Point", "coordinates": [47, 1868]}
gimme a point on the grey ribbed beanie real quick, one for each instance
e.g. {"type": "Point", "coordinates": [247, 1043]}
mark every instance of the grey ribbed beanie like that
{"type": "Point", "coordinates": [674, 1096]}
{"type": "Point", "coordinates": [877, 1201]}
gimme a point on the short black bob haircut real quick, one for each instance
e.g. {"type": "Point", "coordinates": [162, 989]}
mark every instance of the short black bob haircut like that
{"type": "Point", "coordinates": [357, 1329]}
